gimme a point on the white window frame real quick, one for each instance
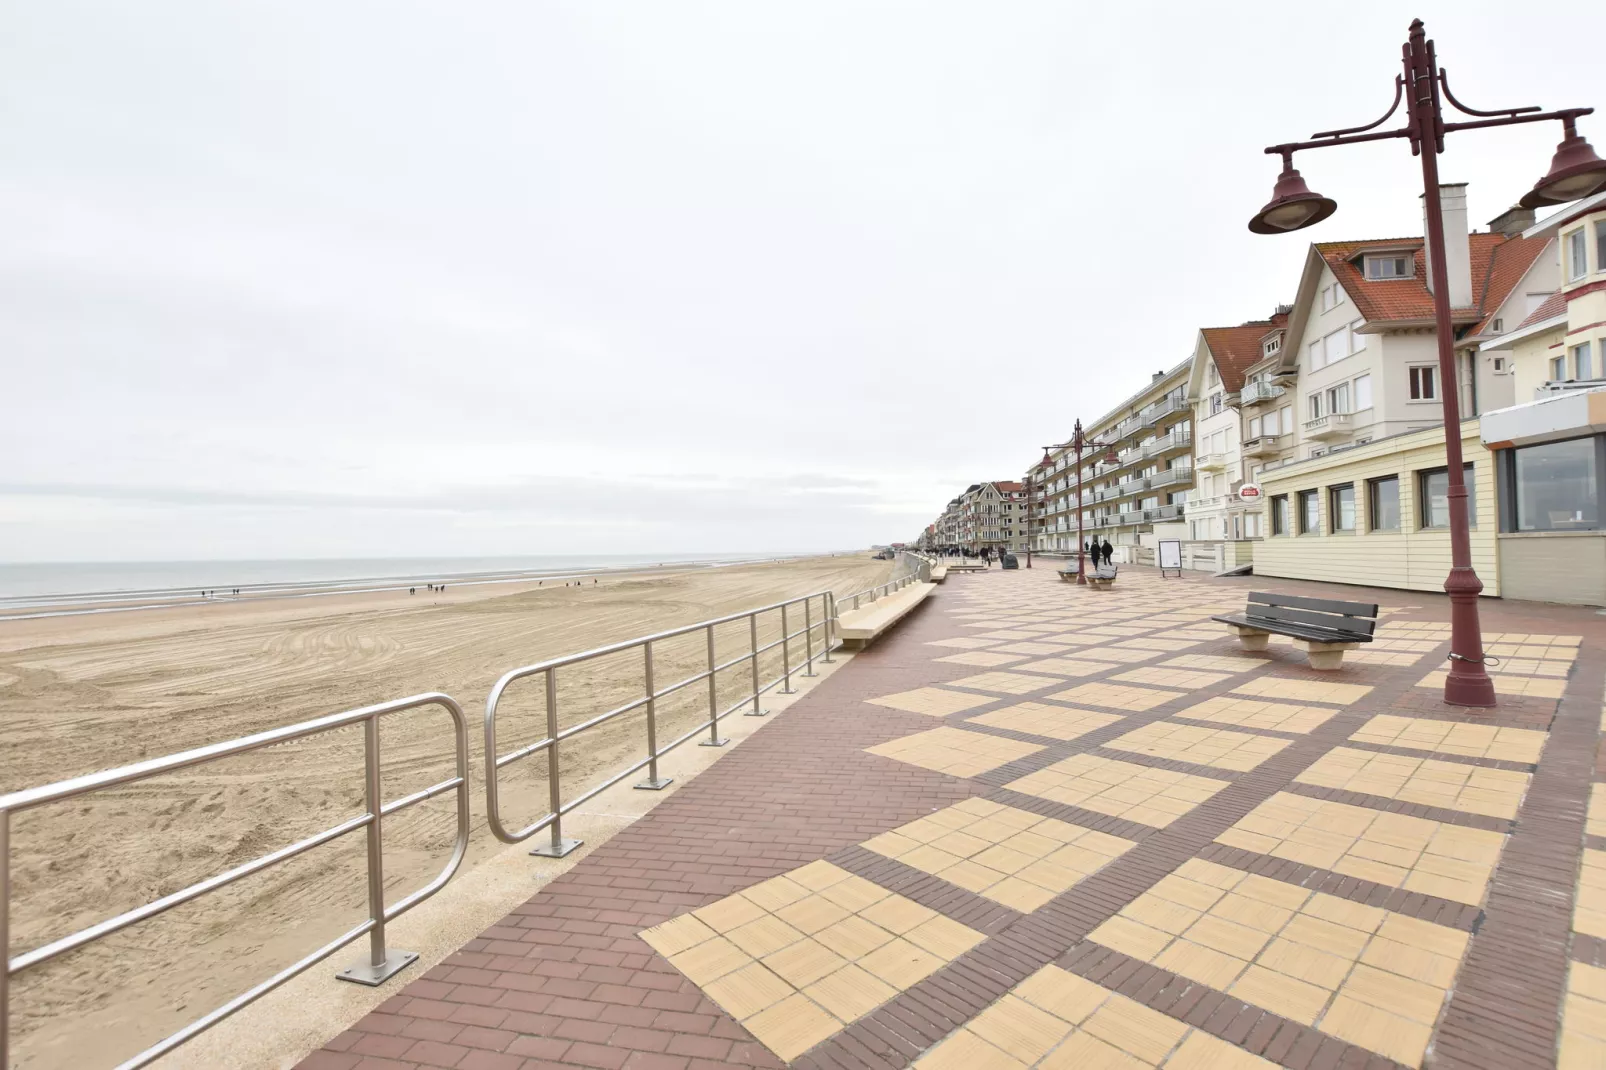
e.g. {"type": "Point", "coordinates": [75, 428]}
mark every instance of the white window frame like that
{"type": "Point", "coordinates": [1579, 356]}
{"type": "Point", "coordinates": [1423, 375]}
{"type": "Point", "coordinates": [1577, 245]}
{"type": "Point", "coordinates": [1357, 390]}
{"type": "Point", "coordinates": [1400, 267]}
{"type": "Point", "coordinates": [1558, 368]}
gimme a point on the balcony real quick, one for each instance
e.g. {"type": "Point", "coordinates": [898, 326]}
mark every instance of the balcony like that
{"type": "Point", "coordinates": [1133, 517]}
{"type": "Point", "coordinates": [1161, 409]}
{"type": "Point", "coordinates": [1210, 462]}
{"type": "Point", "coordinates": [1168, 443]}
{"type": "Point", "coordinates": [1170, 478]}
{"type": "Point", "coordinates": [1163, 512]}
{"type": "Point", "coordinates": [1266, 445]}
{"type": "Point", "coordinates": [1554, 386]}
{"type": "Point", "coordinates": [1196, 505]}
{"type": "Point", "coordinates": [1329, 426]}
{"type": "Point", "coordinates": [1255, 393]}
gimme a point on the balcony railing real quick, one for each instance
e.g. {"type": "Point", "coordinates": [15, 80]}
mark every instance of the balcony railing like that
{"type": "Point", "coordinates": [1170, 477]}
{"type": "Point", "coordinates": [1166, 443]}
{"type": "Point", "coordinates": [1256, 392]}
{"type": "Point", "coordinates": [1554, 387]}
{"type": "Point", "coordinates": [1133, 517]}
{"type": "Point", "coordinates": [1266, 445]}
{"type": "Point", "coordinates": [1329, 426]}
{"type": "Point", "coordinates": [1163, 512]}
{"type": "Point", "coordinates": [1210, 462]}
{"type": "Point", "coordinates": [1161, 409]}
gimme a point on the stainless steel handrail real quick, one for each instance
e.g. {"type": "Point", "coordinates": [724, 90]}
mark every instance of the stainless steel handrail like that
{"type": "Point", "coordinates": [648, 701]}
{"type": "Point", "coordinates": [381, 964]}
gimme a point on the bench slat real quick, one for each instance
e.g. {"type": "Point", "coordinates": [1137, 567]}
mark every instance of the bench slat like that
{"type": "Point", "coordinates": [1297, 631]}
{"type": "Point", "coordinates": [1320, 605]}
{"type": "Point", "coordinates": [1323, 621]}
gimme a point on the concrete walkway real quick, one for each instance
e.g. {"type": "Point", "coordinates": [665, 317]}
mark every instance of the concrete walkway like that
{"type": "Point", "coordinates": [1040, 825]}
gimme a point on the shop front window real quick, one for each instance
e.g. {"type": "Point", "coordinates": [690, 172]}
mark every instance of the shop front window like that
{"type": "Point", "coordinates": [1556, 486]}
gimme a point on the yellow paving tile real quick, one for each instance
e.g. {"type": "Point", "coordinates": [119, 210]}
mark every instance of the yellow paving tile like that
{"type": "Point", "coordinates": [1428, 781]}
{"type": "Point", "coordinates": [1068, 666]}
{"type": "Point", "coordinates": [1007, 633]}
{"type": "Point", "coordinates": [1040, 647]}
{"type": "Point", "coordinates": [1125, 655]}
{"type": "Point", "coordinates": [1367, 975]}
{"type": "Point", "coordinates": [1451, 737]}
{"type": "Point", "coordinates": [1055, 1020]}
{"type": "Point", "coordinates": [1162, 676]}
{"type": "Point", "coordinates": [1215, 663]}
{"type": "Point", "coordinates": [1258, 713]}
{"type": "Point", "coordinates": [932, 701]}
{"type": "Point", "coordinates": [983, 658]}
{"type": "Point", "coordinates": [1282, 687]}
{"type": "Point", "coordinates": [1154, 797]}
{"type": "Point", "coordinates": [1041, 719]}
{"type": "Point", "coordinates": [1392, 849]}
{"type": "Point", "coordinates": [1117, 696]}
{"type": "Point", "coordinates": [1010, 683]}
{"type": "Point", "coordinates": [954, 751]}
{"type": "Point", "coordinates": [1583, 1025]}
{"type": "Point", "coordinates": [1011, 856]}
{"type": "Point", "coordinates": [1164, 645]}
{"type": "Point", "coordinates": [798, 973]}
{"type": "Point", "coordinates": [1201, 746]}
{"type": "Point", "coordinates": [1589, 903]}
{"type": "Point", "coordinates": [1596, 822]}
{"type": "Point", "coordinates": [1523, 686]}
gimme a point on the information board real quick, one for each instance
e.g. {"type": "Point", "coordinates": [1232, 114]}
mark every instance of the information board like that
{"type": "Point", "coordinates": [1170, 556]}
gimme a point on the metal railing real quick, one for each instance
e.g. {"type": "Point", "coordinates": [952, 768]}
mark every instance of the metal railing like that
{"type": "Point", "coordinates": [648, 701]}
{"type": "Point", "coordinates": [381, 962]}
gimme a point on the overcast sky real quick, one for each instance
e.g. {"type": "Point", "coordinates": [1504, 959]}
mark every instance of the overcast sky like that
{"type": "Point", "coordinates": [288, 279]}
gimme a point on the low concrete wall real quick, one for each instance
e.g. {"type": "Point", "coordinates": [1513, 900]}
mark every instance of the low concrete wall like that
{"type": "Point", "coordinates": [1554, 566]}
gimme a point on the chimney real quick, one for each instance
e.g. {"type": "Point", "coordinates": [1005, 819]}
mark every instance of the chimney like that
{"type": "Point", "coordinates": [1512, 222]}
{"type": "Point", "coordinates": [1157, 375]}
{"type": "Point", "coordinates": [1457, 249]}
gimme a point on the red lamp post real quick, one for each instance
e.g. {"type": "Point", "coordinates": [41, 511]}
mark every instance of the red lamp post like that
{"type": "Point", "coordinates": [1079, 442]}
{"type": "Point", "coordinates": [1575, 172]}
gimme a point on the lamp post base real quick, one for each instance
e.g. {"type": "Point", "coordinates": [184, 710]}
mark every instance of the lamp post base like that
{"type": "Point", "coordinates": [1467, 683]}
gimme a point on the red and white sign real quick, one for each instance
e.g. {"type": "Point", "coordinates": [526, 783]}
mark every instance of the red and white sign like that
{"type": "Point", "coordinates": [1249, 492]}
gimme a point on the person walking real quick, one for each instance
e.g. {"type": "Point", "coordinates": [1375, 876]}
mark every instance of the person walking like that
{"type": "Point", "coordinates": [1106, 550]}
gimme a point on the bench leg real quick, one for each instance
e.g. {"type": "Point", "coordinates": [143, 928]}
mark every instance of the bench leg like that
{"type": "Point", "coordinates": [1250, 638]}
{"type": "Point", "coordinates": [1325, 656]}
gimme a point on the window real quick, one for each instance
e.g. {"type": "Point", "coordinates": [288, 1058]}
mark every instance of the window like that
{"type": "Point", "coordinates": [1435, 491]}
{"type": "Point", "coordinates": [1310, 522]}
{"type": "Point", "coordinates": [1335, 346]}
{"type": "Point", "coordinates": [1363, 393]}
{"type": "Point", "coordinates": [1556, 486]}
{"type": "Point", "coordinates": [1254, 427]}
{"type": "Point", "coordinates": [1279, 515]}
{"type": "Point", "coordinates": [1285, 420]}
{"type": "Point", "coordinates": [1215, 404]}
{"type": "Point", "coordinates": [1558, 369]}
{"type": "Point", "coordinates": [1498, 325]}
{"type": "Point", "coordinates": [1577, 254]}
{"type": "Point", "coordinates": [1357, 340]}
{"type": "Point", "coordinates": [1385, 503]}
{"type": "Point", "coordinates": [1500, 364]}
{"type": "Point", "coordinates": [1583, 367]}
{"type": "Point", "coordinates": [1315, 403]}
{"type": "Point", "coordinates": [1600, 245]}
{"type": "Point", "coordinates": [1422, 383]}
{"type": "Point", "coordinates": [1341, 508]}
{"type": "Point", "coordinates": [1332, 296]}
{"type": "Point", "coordinates": [1338, 398]}
{"type": "Point", "coordinates": [1271, 346]}
{"type": "Point", "coordinates": [1388, 267]}
{"type": "Point", "coordinates": [1315, 351]}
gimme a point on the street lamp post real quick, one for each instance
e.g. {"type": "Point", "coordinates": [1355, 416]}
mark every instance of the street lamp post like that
{"type": "Point", "coordinates": [1575, 172]}
{"type": "Point", "coordinates": [1079, 442]}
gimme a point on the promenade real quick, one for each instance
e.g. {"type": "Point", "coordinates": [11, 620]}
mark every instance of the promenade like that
{"type": "Point", "coordinates": [1039, 825]}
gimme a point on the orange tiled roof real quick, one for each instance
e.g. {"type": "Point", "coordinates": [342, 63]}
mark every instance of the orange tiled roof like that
{"type": "Point", "coordinates": [1234, 349]}
{"type": "Point", "coordinates": [1497, 262]}
{"type": "Point", "coordinates": [1554, 305]}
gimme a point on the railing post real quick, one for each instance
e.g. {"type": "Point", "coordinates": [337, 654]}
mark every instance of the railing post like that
{"type": "Point", "coordinates": [713, 739]}
{"type": "Point", "coordinates": [559, 846]}
{"type": "Point", "coordinates": [786, 653]}
{"type": "Point", "coordinates": [5, 937]}
{"type": "Point", "coordinates": [653, 782]}
{"type": "Point", "coordinates": [382, 964]}
{"type": "Point", "coordinates": [752, 633]}
{"type": "Point", "coordinates": [827, 622]}
{"type": "Point", "coordinates": [808, 636]}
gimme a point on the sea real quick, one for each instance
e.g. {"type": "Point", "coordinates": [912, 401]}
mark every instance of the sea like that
{"type": "Point", "coordinates": [28, 589]}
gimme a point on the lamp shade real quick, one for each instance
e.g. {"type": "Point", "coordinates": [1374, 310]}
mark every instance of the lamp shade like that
{"type": "Point", "coordinates": [1575, 171]}
{"type": "Point", "coordinates": [1292, 206]}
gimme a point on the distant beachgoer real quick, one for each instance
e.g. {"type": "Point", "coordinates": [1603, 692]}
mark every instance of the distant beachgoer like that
{"type": "Point", "coordinates": [412, 590]}
{"type": "Point", "coordinates": [1107, 550]}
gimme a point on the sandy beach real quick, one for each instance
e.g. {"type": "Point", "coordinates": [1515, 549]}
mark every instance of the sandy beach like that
{"type": "Point", "coordinates": [78, 694]}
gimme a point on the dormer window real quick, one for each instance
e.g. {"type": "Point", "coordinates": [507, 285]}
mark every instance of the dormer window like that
{"type": "Point", "coordinates": [1270, 346]}
{"type": "Point", "coordinates": [1388, 267]}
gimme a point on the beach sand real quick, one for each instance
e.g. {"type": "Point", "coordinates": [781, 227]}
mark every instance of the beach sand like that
{"type": "Point", "coordinates": [79, 694]}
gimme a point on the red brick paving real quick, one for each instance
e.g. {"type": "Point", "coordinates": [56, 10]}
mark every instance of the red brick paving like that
{"type": "Point", "coordinates": [564, 980]}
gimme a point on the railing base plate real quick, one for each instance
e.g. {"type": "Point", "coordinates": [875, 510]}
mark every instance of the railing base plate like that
{"type": "Point", "coordinates": [563, 847]}
{"type": "Point", "coordinates": [713, 743]}
{"type": "Point", "coordinates": [655, 785]}
{"type": "Point", "coordinates": [757, 713]}
{"type": "Point", "coordinates": [366, 973]}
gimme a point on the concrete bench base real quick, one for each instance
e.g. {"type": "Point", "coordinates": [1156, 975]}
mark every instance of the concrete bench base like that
{"type": "Point", "coordinates": [1323, 656]}
{"type": "Point", "coordinates": [939, 573]}
{"type": "Point", "coordinates": [858, 628]}
{"type": "Point", "coordinates": [967, 567]}
{"type": "Point", "coordinates": [1101, 583]}
{"type": "Point", "coordinates": [1068, 575]}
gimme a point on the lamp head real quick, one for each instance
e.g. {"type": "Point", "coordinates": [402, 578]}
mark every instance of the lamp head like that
{"type": "Point", "coordinates": [1575, 172]}
{"type": "Point", "coordinates": [1292, 206]}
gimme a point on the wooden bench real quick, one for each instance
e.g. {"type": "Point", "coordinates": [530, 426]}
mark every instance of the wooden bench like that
{"type": "Point", "coordinates": [858, 628]}
{"type": "Point", "coordinates": [968, 566]}
{"type": "Point", "coordinates": [1102, 578]}
{"type": "Point", "coordinates": [1322, 628]}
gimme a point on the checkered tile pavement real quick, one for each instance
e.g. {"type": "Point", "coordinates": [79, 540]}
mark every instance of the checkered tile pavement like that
{"type": "Point", "coordinates": [1044, 826]}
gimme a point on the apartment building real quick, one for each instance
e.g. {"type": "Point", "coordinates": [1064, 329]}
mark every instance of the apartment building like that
{"type": "Point", "coordinates": [1550, 447]}
{"type": "Point", "coordinates": [1354, 488]}
{"type": "Point", "coordinates": [992, 516]}
{"type": "Point", "coordinates": [1221, 391]}
{"type": "Point", "coordinates": [1144, 484]}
